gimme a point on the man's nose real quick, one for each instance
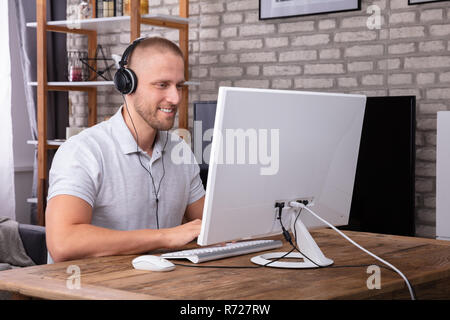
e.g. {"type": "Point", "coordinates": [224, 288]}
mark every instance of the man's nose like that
{"type": "Point", "coordinates": [174, 95]}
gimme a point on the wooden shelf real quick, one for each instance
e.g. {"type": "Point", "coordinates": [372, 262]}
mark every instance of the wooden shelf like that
{"type": "Point", "coordinates": [92, 83]}
{"type": "Point", "coordinates": [51, 144]}
{"type": "Point", "coordinates": [91, 28]}
{"type": "Point", "coordinates": [32, 200]}
{"type": "Point", "coordinates": [75, 83]}
{"type": "Point", "coordinates": [115, 23]}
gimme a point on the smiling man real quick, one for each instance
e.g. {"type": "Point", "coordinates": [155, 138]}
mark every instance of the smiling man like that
{"type": "Point", "coordinates": [114, 188]}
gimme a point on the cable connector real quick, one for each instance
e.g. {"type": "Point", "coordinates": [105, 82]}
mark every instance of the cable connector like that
{"type": "Point", "coordinates": [286, 234]}
{"type": "Point", "coordinates": [280, 206]}
{"type": "Point", "coordinates": [305, 202]}
{"type": "Point", "coordinates": [297, 204]}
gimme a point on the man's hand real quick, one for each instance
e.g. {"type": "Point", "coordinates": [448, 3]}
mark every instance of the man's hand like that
{"type": "Point", "coordinates": [181, 235]}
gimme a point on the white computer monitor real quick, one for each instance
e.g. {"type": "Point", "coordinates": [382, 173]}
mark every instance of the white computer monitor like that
{"type": "Point", "coordinates": [280, 145]}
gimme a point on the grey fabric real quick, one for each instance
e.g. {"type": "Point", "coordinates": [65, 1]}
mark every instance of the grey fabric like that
{"type": "Point", "coordinates": [33, 239]}
{"type": "Point", "coordinates": [5, 295]}
{"type": "Point", "coordinates": [12, 251]}
{"type": "Point", "coordinates": [5, 266]}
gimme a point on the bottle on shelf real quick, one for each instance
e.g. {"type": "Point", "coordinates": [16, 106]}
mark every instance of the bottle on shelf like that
{"type": "Point", "coordinates": [84, 10]}
{"type": "Point", "coordinates": [126, 7]}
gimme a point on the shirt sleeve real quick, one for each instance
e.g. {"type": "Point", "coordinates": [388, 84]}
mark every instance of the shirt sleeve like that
{"type": "Point", "coordinates": [75, 171]}
{"type": "Point", "coordinates": [197, 190]}
{"type": "Point", "coordinates": [190, 168]}
{"type": "Point", "coordinates": [196, 186]}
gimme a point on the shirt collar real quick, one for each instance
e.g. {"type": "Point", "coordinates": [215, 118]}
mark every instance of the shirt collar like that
{"type": "Point", "coordinates": [126, 140]}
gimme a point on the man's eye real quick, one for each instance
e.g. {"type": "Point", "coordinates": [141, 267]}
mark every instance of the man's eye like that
{"type": "Point", "coordinates": [164, 85]}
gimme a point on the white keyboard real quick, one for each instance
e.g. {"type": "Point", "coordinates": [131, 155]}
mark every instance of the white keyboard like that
{"type": "Point", "coordinates": [228, 250]}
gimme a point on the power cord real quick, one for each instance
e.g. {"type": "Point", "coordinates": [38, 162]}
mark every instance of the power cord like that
{"type": "Point", "coordinates": [303, 206]}
{"type": "Point", "coordinates": [287, 236]}
{"type": "Point", "coordinates": [280, 206]}
{"type": "Point", "coordinates": [235, 267]}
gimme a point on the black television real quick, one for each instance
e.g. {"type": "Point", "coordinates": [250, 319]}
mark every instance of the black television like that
{"type": "Point", "coordinates": [384, 190]}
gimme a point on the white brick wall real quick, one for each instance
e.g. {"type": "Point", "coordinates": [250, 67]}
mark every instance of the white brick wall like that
{"type": "Point", "coordinates": [409, 54]}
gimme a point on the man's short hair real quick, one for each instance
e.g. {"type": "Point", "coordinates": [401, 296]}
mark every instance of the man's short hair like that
{"type": "Point", "coordinates": [157, 43]}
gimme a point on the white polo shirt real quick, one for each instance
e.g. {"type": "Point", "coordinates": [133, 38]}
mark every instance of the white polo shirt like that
{"type": "Point", "coordinates": [101, 166]}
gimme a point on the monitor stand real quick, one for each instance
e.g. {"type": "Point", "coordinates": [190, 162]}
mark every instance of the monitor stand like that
{"type": "Point", "coordinates": [305, 243]}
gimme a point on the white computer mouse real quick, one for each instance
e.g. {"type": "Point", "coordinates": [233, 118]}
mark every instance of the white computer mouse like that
{"type": "Point", "coordinates": [152, 263]}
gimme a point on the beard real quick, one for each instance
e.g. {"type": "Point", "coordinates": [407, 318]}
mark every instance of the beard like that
{"type": "Point", "coordinates": [150, 116]}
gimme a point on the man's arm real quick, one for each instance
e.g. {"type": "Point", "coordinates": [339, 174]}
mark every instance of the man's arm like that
{"type": "Point", "coordinates": [70, 234]}
{"type": "Point", "coordinates": [195, 210]}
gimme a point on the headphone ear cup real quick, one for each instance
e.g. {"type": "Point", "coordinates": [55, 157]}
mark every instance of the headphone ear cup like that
{"type": "Point", "coordinates": [120, 81]}
{"type": "Point", "coordinates": [125, 81]}
{"type": "Point", "coordinates": [133, 79]}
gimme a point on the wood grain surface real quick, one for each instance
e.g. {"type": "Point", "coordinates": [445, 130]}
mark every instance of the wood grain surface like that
{"type": "Point", "coordinates": [425, 262]}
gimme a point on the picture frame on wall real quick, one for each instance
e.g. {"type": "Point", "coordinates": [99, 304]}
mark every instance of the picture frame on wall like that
{"type": "Point", "coordinates": [275, 9]}
{"type": "Point", "coordinates": [412, 2]}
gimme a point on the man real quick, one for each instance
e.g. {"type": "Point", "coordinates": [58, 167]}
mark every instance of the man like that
{"type": "Point", "coordinates": [113, 187]}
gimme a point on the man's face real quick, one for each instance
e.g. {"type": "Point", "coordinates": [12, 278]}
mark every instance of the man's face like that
{"type": "Point", "coordinates": [160, 82]}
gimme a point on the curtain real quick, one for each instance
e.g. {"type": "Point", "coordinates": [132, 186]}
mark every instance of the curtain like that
{"type": "Point", "coordinates": [7, 195]}
{"type": "Point", "coordinates": [57, 102]}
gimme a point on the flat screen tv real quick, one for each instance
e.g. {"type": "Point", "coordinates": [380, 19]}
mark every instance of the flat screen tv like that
{"type": "Point", "coordinates": [384, 190]}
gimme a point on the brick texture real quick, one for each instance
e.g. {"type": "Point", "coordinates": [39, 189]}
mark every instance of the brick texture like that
{"type": "Point", "coordinates": [408, 53]}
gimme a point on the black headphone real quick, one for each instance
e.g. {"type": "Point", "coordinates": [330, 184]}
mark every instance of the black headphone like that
{"type": "Point", "coordinates": [125, 79]}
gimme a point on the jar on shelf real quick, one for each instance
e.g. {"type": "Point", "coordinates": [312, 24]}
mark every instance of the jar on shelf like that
{"type": "Point", "coordinates": [76, 69]}
{"type": "Point", "coordinates": [143, 9]}
{"type": "Point", "coordinates": [79, 11]}
{"type": "Point", "coordinates": [72, 11]}
{"type": "Point", "coordinates": [84, 10]}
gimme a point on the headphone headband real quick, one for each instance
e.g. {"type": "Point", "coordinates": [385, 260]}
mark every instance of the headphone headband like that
{"type": "Point", "coordinates": [125, 79]}
{"type": "Point", "coordinates": [124, 61]}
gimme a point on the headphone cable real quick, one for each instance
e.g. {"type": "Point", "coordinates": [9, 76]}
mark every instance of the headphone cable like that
{"type": "Point", "coordinates": [155, 191]}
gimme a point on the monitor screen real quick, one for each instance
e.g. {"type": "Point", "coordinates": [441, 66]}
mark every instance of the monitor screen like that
{"type": "Point", "coordinates": [279, 145]}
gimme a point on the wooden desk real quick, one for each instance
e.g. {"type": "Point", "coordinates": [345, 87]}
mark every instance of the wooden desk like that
{"type": "Point", "coordinates": [425, 262]}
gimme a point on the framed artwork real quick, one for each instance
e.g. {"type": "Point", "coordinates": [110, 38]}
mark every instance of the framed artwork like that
{"type": "Point", "coordinates": [275, 9]}
{"type": "Point", "coordinates": [410, 2]}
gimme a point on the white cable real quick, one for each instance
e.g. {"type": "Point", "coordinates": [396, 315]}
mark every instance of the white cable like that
{"type": "Point", "coordinates": [302, 206]}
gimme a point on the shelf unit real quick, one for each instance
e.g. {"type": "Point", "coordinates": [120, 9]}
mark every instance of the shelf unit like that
{"type": "Point", "coordinates": [90, 28]}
